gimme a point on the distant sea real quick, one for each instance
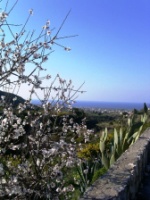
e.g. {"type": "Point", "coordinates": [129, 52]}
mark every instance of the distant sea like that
{"type": "Point", "coordinates": [105, 105]}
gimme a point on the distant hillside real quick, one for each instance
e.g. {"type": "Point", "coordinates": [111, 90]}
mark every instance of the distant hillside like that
{"type": "Point", "coordinates": [10, 96]}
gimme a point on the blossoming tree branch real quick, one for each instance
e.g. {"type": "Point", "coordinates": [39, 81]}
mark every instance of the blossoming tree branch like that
{"type": "Point", "coordinates": [38, 148]}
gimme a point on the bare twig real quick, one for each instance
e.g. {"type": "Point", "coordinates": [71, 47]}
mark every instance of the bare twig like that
{"type": "Point", "coordinates": [62, 24]}
{"type": "Point", "coordinates": [12, 24]}
{"type": "Point", "coordinates": [13, 7]}
{"type": "Point", "coordinates": [64, 37]}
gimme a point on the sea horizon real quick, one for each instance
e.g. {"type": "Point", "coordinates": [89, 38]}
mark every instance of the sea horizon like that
{"type": "Point", "coordinates": [105, 105]}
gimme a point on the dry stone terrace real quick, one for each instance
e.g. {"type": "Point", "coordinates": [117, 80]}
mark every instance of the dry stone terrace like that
{"type": "Point", "coordinates": [123, 179]}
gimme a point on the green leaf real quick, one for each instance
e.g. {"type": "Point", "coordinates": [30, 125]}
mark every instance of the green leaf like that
{"type": "Point", "coordinates": [112, 159]}
{"type": "Point", "coordinates": [105, 161]}
{"type": "Point", "coordinates": [115, 137]}
{"type": "Point", "coordinates": [102, 146]}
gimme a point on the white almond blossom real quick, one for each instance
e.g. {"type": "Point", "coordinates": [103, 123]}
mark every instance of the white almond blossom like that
{"type": "Point", "coordinates": [36, 153]}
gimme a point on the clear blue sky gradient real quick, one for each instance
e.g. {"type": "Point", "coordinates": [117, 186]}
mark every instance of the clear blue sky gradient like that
{"type": "Point", "coordinates": [111, 53]}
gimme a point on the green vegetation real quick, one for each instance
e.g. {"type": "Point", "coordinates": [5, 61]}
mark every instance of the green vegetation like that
{"type": "Point", "coordinates": [113, 132]}
{"type": "Point", "coordinates": [121, 130]}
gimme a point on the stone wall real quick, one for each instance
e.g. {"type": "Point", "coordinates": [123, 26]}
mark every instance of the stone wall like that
{"type": "Point", "coordinates": [122, 180]}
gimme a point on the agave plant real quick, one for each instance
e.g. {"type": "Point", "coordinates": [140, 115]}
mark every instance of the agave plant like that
{"type": "Point", "coordinates": [122, 139]}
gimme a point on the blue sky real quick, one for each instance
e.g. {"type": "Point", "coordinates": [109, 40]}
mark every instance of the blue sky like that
{"type": "Point", "coordinates": [112, 51]}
